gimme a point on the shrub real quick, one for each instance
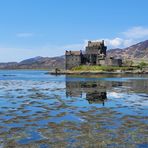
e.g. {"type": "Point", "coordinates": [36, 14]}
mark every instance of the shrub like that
{"type": "Point", "coordinates": [142, 65]}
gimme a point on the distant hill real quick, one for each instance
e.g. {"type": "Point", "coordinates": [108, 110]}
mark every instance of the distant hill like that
{"type": "Point", "coordinates": [36, 63]}
{"type": "Point", "coordinates": [137, 51]}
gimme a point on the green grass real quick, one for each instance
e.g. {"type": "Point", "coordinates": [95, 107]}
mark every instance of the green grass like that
{"type": "Point", "coordinates": [100, 68]}
{"type": "Point", "coordinates": [136, 62]}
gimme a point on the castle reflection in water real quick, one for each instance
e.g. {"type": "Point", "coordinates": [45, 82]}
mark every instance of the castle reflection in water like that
{"type": "Point", "coordinates": [93, 91]}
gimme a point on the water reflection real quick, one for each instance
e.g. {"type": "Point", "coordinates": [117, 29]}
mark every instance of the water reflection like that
{"type": "Point", "coordinates": [131, 90]}
{"type": "Point", "coordinates": [97, 97]}
{"type": "Point", "coordinates": [47, 111]}
{"type": "Point", "coordinates": [93, 91]}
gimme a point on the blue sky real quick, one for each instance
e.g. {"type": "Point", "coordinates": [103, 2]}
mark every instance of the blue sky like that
{"type": "Point", "coordinates": [30, 28]}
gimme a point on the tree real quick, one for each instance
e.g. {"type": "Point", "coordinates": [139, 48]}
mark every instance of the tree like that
{"type": "Point", "coordinates": [142, 65]}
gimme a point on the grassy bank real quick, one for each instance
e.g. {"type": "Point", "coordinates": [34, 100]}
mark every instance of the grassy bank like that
{"type": "Point", "coordinates": [101, 68]}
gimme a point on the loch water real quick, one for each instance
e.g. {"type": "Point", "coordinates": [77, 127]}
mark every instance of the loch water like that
{"type": "Point", "coordinates": [40, 110]}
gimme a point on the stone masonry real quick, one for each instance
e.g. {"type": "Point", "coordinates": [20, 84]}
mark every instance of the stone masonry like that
{"type": "Point", "coordinates": [94, 54]}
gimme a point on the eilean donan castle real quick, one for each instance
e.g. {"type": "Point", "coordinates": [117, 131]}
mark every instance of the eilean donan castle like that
{"type": "Point", "coordinates": [94, 54]}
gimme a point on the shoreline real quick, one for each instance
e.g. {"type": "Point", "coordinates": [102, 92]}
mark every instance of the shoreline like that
{"type": "Point", "coordinates": [70, 72]}
{"type": "Point", "coordinates": [94, 72]}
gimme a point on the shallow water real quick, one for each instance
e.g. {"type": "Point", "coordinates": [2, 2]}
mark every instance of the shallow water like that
{"type": "Point", "coordinates": [38, 110]}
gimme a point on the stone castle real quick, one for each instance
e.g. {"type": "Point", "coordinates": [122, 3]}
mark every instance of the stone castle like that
{"type": "Point", "coordinates": [94, 54]}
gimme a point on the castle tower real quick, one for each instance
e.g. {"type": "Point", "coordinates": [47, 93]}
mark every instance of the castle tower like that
{"type": "Point", "coordinates": [96, 52]}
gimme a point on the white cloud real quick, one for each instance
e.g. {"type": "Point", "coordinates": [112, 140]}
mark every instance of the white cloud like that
{"type": "Point", "coordinates": [126, 38]}
{"type": "Point", "coordinates": [119, 42]}
{"type": "Point", "coordinates": [116, 42]}
{"type": "Point", "coordinates": [136, 32]}
{"type": "Point", "coordinates": [123, 40]}
{"type": "Point", "coordinates": [23, 34]}
{"type": "Point", "coordinates": [115, 95]}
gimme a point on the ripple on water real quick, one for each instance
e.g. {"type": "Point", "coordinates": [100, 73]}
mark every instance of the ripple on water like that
{"type": "Point", "coordinates": [49, 111]}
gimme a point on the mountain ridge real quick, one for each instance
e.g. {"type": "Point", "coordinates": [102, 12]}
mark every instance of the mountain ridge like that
{"type": "Point", "coordinates": [137, 51]}
{"type": "Point", "coordinates": [36, 63]}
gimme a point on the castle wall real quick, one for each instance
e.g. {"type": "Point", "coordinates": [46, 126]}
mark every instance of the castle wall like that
{"type": "Point", "coordinates": [113, 62]}
{"type": "Point", "coordinates": [72, 61]}
{"type": "Point", "coordinates": [101, 62]}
